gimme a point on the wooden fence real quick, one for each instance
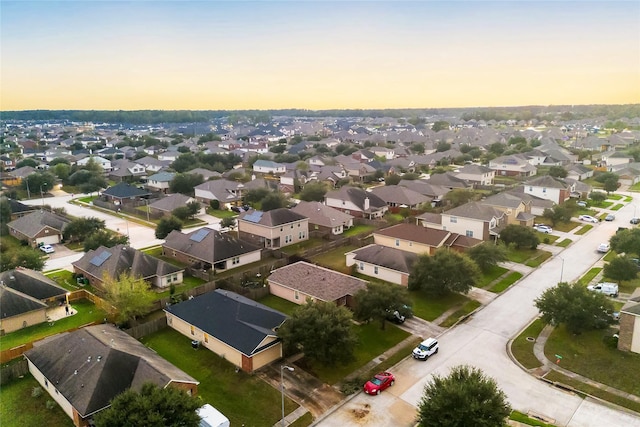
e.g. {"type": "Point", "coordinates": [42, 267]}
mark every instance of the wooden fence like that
{"type": "Point", "coordinates": [15, 370]}
{"type": "Point", "coordinates": [147, 328]}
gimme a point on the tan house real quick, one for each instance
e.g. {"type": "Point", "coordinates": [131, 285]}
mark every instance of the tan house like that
{"type": "Point", "coordinates": [324, 218]}
{"type": "Point", "coordinates": [39, 227]}
{"type": "Point", "coordinates": [84, 370]}
{"type": "Point", "coordinates": [476, 174]}
{"type": "Point", "coordinates": [629, 336]}
{"type": "Point", "coordinates": [516, 209]}
{"type": "Point", "coordinates": [411, 238]}
{"type": "Point", "coordinates": [236, 328]}
{"type": "Point", "coordinates": [384, 263]}
{"type": "Point", "coordinates": [273, 229]}
{"type": "Point", "coordinates": [302, 281]}
{"type": "Point", "coordinates": [472, 219]}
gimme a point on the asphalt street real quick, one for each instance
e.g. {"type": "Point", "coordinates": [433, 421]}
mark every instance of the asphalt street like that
{"type": "Point", "coordinates": [482, 342]}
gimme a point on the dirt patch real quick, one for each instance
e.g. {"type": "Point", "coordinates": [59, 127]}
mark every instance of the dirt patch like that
{"type": "Point", "coordinates": [361, 412]}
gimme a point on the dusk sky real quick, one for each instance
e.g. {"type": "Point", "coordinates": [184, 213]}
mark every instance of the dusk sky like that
{"type": "Point", "coordinates": [316, 54]}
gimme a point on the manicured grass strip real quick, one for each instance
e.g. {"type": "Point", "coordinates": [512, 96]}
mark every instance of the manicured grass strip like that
{"type": "Point", "coordinates": [564, 243]}
{"type": "Point", "coordinates": [589, 276]}
{"type": "Point", "coordinates": [358, 229]}
{"type": "Point", "coordinates": [535, 262]}
{"type": "Point", "coordinates": [593, 391]}
{"type": "Point", "coordinates": [372, 342]}
{"type": "Point", "coordinates": [335, 259]}
{"type": "Point", "coordinates": [280, 304]}
{"type": "Point", "coordinates": [610, 256]}
{"type": "Point", "coordinates": [525, 419]}
{"type": "Point", "coordinates": [614, 197]}
{"type": "Point", "coordinates": [547, 238]}
{"type": "Point", "coordinates": [188, 282]}
{"type": "Point", "coordinates": [303, 421]}
{"type": "Point", "coordinates": [594, 354]}
{"type": "Point", "coordinates": [19, 408]}
{"type": "Point", "coordinates": [243, 398]}
{"type": "Point", "coordinates": [87, 313]}
{"type": "Point", "coordinates": [222, 214]}
{"type": "Point", "coordinates": [565, 226]}
{"type": "Point", "coordinates": [583, 229]}
{"type": "Point", "coordinates": [302, 246]}
{"type": "Point", "coordinates": [522, 349]}
{"type": "Point", "coordinates": [489, 276]}
{"type": "Point", "coordinates": [503, 284]}
{"type": "Point", "coordinates": [429, 308]}
{"type": "Point", "coordinates": [617, 207]}
{"type": "Point", "coordinates": [466, 309]}
{"type": "Point", "coordinates": [628, 199]}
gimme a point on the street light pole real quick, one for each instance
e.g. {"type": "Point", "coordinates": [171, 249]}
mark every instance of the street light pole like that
{"type": "Point", "coordinates": [561, 269]}
{"type": "Point", "coordinates": [282, 368]}
{"type": "Point", "coordinates": [42, 194]}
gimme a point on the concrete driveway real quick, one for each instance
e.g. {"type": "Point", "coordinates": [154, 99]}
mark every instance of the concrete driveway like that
{"type": "Point", "coordinates": [482, 342]}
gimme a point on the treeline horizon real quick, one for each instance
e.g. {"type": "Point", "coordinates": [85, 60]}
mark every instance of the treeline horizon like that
{"type": "Point", "coordinates": [142, 117]}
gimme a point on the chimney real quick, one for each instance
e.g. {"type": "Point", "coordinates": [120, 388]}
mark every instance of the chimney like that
{"type": "Point", "coordinates": [366, 203]}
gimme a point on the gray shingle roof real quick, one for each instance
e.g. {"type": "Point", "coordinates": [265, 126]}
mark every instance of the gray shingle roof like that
{"type": "Point", "coordinates": [125, 190]}
{"type": "Point", "coordinates": [171, 202]}
{"type": "Point", "coordinates": [400, 195]}
{"type": "Point", "coordinates": [273, 218]}
{"type": "Point", "coordinates": [213, 248]}
{"type": "Point", "coordinates": [14, 303]}
{"type": "Point", "coordinates": [32, 283]}
{"type": "Point", "coordinates": [321, 214]}
{"type": "Point", "coordinates": [31, 224]}
{"type": "Point", "coordinates": [390, 258]}
{"type": "Point", "coordinates": [357, 196]}
{"type": "Point", "coordinates": [231, 318]}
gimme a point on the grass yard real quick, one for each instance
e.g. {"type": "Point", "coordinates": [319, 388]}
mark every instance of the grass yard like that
{"type": "Point", "coordinates": [594, 355]}
{"type": "Point", "coordinates": [188, 282]}
{"type": "Point", "coordinates": [589, 276]}
{"type": "Point", "coordinates": [614, 197]}
{"type": "Point", "coordinates": [564, 243]}
{"type": "Point", "coordinates": [635, 187]}
{"type": "Point", "coordinates": [491, 275]}
{"type": "Point", "coordinates": [280, 304]}
{"type": "Point", "coordinates": [430, 308]}
{"type": "Point", "coordinates": [565, 226]}
{"type": "Point", "coordinates": [504, 283]}
{"type": "Point", "coordinates": [617, 207]}
{"type": "Point", "coordinates": [524, 419]}
{"type": "Point", "coordinates": [522, 349]}
{"type": "Point", "coordinates": [530, 257]}
{"type": "Point", "coordinates": [306, 244]}
{"type": "Point", "coordinates": [463, 311]}
{"type": "Point", "coordinates": [154, 251]}
{"type": "Point", "coordinates": [538, 259]}
{"type": "Point", "coordinates": [546, 238]}
{"type": "Point", "coordinates": [19, 408]}
{"type": "Point", "coordinates": [222, 214]}
{"type": "Point", "coordinates": [372, 342]}
{"type": "Point", "coordinates": [609, 256]}
{"type": "Point", "coordinates": [87, 313]}
{"type": "Point", "coordinates": [583, 229]}
{"type": "Point", "coordinates": [303, 421]}
{"type": "Point", "coordinates": [65, 279]}
{"type": "Point", "coordinates": [243, 398]}
{"type": "Point", "coordinates": [628, 199]}
{"type": "Point", "coordinates": [358, 229]}
{"type": "Point", "coordinates": [335, 259]}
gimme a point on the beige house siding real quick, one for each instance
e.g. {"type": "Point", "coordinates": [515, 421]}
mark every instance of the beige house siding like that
{"type": "Point", "coordinates": [404, 245]}
{"type": "Point", "coordinates": [268, 355]}
{"type": "Point", "coordinates": [164, 282]}
{"type": "Point", "coordinates": [296, 297]}
{"type": "Point", "coordinates": [629, 333]}
{"type": "Point", "coordinates": [59, 398]}
{"type": "Point", "coordinates": [21, 321]}
{"type": "Point", "coordinates": [297, 231]}
{"type": "Point", "coordinates": [461, 226]}
{"type": "Point", "coordinates": [378, 272]}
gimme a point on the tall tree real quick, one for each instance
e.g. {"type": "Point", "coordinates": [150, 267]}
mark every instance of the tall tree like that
{"type": "Point", "coordinates": [80, 228]}
{"type": "Point", "coordinates": [559, 213]}
{"type": "Point", "coordinates": [184, 183]}
{"type": "Point", "coordinates": [166, 226]}
{"type": "Point", "coordinates": [150, 407]}
{"type": "Point", "coordinates": [575, 306]}
{"type": "Point", "coordinates": [520, 236]}
{"type": "Point", "coordinates": [103, 237]}
{"type": "Point", "coordinates": [322, 330]}
{"type": "Point", "coordinates": [465, 397]}
{"type": "Point", "coordinates": [313, 192]}
{"type": "Point", "coordinates": [558, 172]}
{"type": "Point", "coordinates": [626, 241]}
{"type": "Point", "coordinates": [273, 201]}
{"type": "Point", "coordinates": [375, 302]}
{"type": "Point", "coordinates": [487, 255]}
{"type": "Point", "coordinates": [131, 296]}
{"type": "Point", "coordinates": [22, 257]}
{"type": "Point", "coordinates": [621, 268]}
{"type": "Point", "coordinates": [444, 272]}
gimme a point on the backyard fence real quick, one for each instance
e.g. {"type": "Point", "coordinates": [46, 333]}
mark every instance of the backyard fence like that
{"type": "Point", "coordinates": [9, 373]}
{"type": "Point", "coordinates": [147, 328]}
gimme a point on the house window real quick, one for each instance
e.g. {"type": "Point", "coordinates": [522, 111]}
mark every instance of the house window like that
{"type": "Point", "coordinates": [235, 260]}
{"type": "Point", "coordinates": [296, 295]}
{"type": "Point", "coordinates": [469, 233]}
{"type": "Point", "coordinates": [362, 266]}
{"type": "Point", "coordinates": [298, 225]}
{"type": "Point", "coordinates": [375, 269]}
{"type": "Point", "coordinates": [291, 225]}
{"type": "Point", "coordinates": [46, 383]}
{"type": "Point", "coordinates": [453, 219]}
{"type": "Point", "coordinates": [544, 190]}
{"type": "Point", "coordinates": [169, 320]}
{"type": "Point", "coordinates": [206, 338]}
{"type": "Point", "coordinates": [530, 188]}
{"type": "Point", "coordinates": [193, 330]}
{"type": "Point", "coordinates": [397, 242]}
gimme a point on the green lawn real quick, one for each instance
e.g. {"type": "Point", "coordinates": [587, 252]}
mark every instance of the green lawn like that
{"type": "Point", "coordinates": [489, 276]}
{"type": "Point", "coordinates": [372, 342]}
{"type": "Point", "coordinates": [280, 304]}
{"type": "Point", "coordinates": [565, 226]}
{"type": "Point", "coordinates": [522, 349]}
{"type": "Point", "coordinates": [358, 229]}
{"type": "Point", "coordinates": [635, 187]}
{"type": "Point", "coordinates": [614, 196]}
{"type": "Point", "coordinates": [65, 279]}
{"type": "Point", "coordinates": [538, 259]}
{"type": "Point", "coordinates": [87, 313]}
{"type": "Point", "coordinates": [243, 398]}
{"type": "Point", "coordinates": [504, 283]}
{"type": "Point", "coordinates": [87, 199]}
{"type": "Point", "coordinates": [429, 308]}
{"type": "Point", "coordinates": [303, 421]}
{"type": "Point", "coordinates": [524, 419]}
{"type": "Point", "coordinates": [564, 243]}
{"type": "Point", "coordinates": [617, 207]}
{"type": "Point", "coordinates": [547, 238]}
{"type": "Point", "coordinates": [589, 276]}
{"type": "Point", "coordinates": [19, 408]}
{"type": "Point", "coordinates": [306, 244]}
{"type": "Point", "coordinates": [188, 282]}
{"type": "Point", "coordinates": [530, 257]}
{"type": "Point", "coordinates": [594, 355]}
{"type": "Point", "coordinates": [467, 308]}
{"type": "Point", "coordinates": [222, 214]}
{"type": "Point", "coordinates": [584, 229]}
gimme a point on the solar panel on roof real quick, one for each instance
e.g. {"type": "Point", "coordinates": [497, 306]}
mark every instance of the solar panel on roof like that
{"type": "Point", "coordinates": [200, 235]}
{"type": "Point", "coordinates": [99, 259]}
{"type": "Point", "coordinates": [254, 216]}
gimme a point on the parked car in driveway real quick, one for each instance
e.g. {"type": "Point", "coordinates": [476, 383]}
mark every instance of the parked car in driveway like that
{"type": "Point", "coordinates": [425, 349]}
{"type": "Point", "coordinates": [588, 218]}
{"type": "Point", "coordinates": [607, 288]}
{"type": "Point", "coordinates": [610, 217]}
{"type": "Point", "coordinates": [582, 204]}
{"type": "Point", "coordinates": [47, 249]}
{"type": "Point", "coordinates": [634, 220]}
{"type": "Point", "coordinates": [543, 228]}
{"type": "Point", "coordinates": [604, 248]}
{"type": "Point", "coordinates": [379, 383]}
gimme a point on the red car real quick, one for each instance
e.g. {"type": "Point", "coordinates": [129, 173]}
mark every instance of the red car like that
{"type": "Point", "coordinates": [379, 383]}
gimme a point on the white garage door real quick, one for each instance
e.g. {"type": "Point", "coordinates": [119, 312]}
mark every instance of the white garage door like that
{"type": "Point", "coordinates": [50, 240]}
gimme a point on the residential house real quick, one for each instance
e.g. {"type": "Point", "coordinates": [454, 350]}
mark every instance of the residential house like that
{"type": "Point", "coordinates": [420, 240]}
{"type": "Point", "coordinates": [382, 262]}
{"type": "Point", "coordinates": [238, 329]}
{"type": "Point", "coordinates": [273, 229]}
{"type": "Point", "coordinates": [25, 298]}
{"type": "Point", "coordinates": [357, 202]}
{"type": "Point", "coordinates": [124, 193]}
{"type": "Point", "coordinates": [398, 197]}
{"type": "Point", "coordinates": [550, 188]}
{"type": "Point", "coordinates": [206, 173]}
{"type": "Point", "coordinates": [517, 210]}
{"type": "Point", "coordinates": [103, 262]}
{"type": "Point", "coordinates": [611, 159]}
{"type": "Point", "coordinates": [448, 180]}
{"type": "Point", "coordinates": [476, 174]}
{"type": "Point", "coordinates": [434, 192]}
{"type": "Point", "coordinates": [578, 172]}
{"type": "Point", "coordinates": [209, 250]}
{"type": "Point", "coordinates": [227, 193]}
{"type": "Point", "coordinates": [125, 170]}
{"type": "Point", "coordinates": [8, 163]}
{"type": "Point", "coordinates": [160, 181]}
{"type": "Point", "coordinates": [39, 227]}
{"type": "Point", "coordinates": [166, 205]}
{"type": "Point", "coordinates": [472, 219]}
{"type": "Point", "coordinates": [152, 165]}
{"type": "Point", "coordinates": [324, 218]}
{"type": "Point", "coordinates": [100, 161]}
{"type": "Point", "coordinates": [18, 209]}
{"type": "Point", "coordinates": [628, 175]}
{"type": "Point", "coordinates": [23, 173]}
{"type": "Point", "coordinates": [267, 166]}
{"type": "Point", "coordinates": [84, 370]}
{"type": "Point", "coordinates": [629, 335]}
{"type": "Point", "coordinates": [301, 281]}
{"type": "Point", "coordinates": [512, 165]}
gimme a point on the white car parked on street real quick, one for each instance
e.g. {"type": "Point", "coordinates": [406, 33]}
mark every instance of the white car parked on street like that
{"type": "Point", "coordinates": [588, 218]}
